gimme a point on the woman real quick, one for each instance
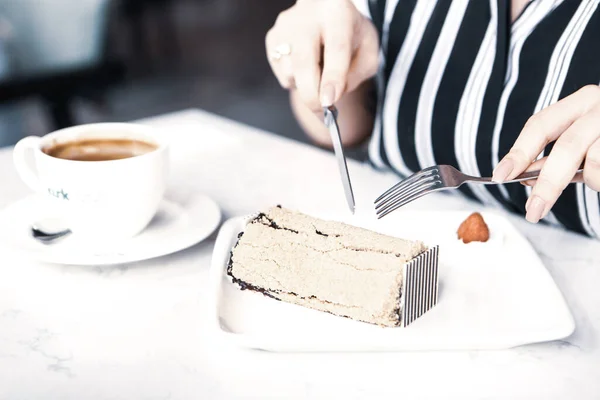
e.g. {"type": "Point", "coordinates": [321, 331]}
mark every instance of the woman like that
{"type": "Point", "coordinates": [492, 87]}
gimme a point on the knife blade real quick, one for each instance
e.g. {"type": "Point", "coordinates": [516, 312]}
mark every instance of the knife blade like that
{"type": "Point", "coordinates": [330, 114]}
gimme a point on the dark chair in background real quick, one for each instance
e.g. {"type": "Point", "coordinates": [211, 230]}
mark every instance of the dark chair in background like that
{"type": "Point", "coordinates": [57, 52]}
{"type": "Point", "coordinates": [67, 62]}
{"type": "Point", "coordinates": [144, 18]}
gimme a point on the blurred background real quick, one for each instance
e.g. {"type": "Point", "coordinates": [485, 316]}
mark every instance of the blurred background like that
{"type": "Point", "coordinates": [66, 62]}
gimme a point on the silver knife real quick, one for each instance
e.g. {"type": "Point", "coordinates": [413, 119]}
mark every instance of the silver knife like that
{"type": "Point", "coordinates": [331, 123]}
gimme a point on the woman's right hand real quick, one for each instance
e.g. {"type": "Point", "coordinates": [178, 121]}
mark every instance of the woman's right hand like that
{"type": "Point", "coordinates": [331, 49]}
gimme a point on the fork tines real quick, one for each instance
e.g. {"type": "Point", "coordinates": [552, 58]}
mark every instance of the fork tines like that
{"type": "Point", "coordinates": [411, 188]}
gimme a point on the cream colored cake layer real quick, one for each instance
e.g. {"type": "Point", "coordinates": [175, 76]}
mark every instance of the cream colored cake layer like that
{"type": "Point", "coordinates": [324, 265]}
{"type": "Point", "coordinates": [347, 235]}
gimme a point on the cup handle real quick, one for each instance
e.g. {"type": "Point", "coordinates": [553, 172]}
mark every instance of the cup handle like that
{"type": "Point", "coordinates": [26, 171]}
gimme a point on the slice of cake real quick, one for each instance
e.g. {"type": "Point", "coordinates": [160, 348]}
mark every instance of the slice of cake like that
{"type": "Point", "coordinates": [334, 267]}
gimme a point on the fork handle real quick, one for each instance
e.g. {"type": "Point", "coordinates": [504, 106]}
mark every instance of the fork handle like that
{"type": "Point", "coordinates": [526, 176]}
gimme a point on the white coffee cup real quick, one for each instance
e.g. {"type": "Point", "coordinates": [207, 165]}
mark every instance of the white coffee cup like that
{"type": "Point", "coordinates": [102, 200]}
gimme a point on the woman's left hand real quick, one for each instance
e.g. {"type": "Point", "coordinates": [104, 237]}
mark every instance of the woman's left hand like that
{"type": "Point", "coordinates": [574, 123]}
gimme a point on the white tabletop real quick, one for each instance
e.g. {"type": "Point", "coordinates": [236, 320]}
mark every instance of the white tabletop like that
{"type": "Point", "coordinates": [136, 331]}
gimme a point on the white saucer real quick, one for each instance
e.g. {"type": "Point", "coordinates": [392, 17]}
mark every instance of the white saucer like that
{"type": "Point", "coordinates": [179, 224]}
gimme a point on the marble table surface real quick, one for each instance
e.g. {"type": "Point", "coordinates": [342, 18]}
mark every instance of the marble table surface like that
{"type": "Point", "coordinates": [137, 331]}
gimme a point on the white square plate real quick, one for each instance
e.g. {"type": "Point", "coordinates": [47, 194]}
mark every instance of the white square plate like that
{"type": "Point", "coordinates": [493, 295]}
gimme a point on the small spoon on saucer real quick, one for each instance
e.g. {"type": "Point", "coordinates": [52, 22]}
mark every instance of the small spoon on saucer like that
{"type": "Point", "coordinates": [47, 237]}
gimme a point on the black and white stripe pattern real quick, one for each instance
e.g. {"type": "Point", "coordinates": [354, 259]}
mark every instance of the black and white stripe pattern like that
{"type": "Point", "coordinates": [471, 105]}
{"type": "Point", "coordinates": [397, 82]}
{"type": "Point", "coordinates": [458, 81]}
{"type": "Point", "coordinates": [520, 31]}
{"type": "Point", "coordinates": [420, 287]}
{"type": "Point", "coordinates": [558, 67]}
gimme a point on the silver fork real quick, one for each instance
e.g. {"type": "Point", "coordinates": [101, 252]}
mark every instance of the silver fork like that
{"type": "Point", "coordinates": [434, 179]}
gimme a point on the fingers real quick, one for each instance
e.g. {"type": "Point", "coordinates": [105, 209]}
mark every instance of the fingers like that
{"type": "Point", "coordinates": [572, 123]}
{"type": "Point", "coordinates": [349, 71]}
{"type": "Point", "coordinates": [333, 48]}
{"type": "Point", "coordinates": [366, 58]}
{"type": "Point", "coordinates": [591, 169]}
{"type": "Point", "coordinates": [561, 165]}
{"type": "Point", "coordinates": [282, 67]}
{"type": "Point", "coordinates": [298, 67]}
{"type": "Point", "coordinates": [543, 128]}
{"type": "Point", "coordinates": [305, 59]}
{"type": "Point", "coordinates": [537, 166]}
{"type": "Point", "coordinates": [337, 54]}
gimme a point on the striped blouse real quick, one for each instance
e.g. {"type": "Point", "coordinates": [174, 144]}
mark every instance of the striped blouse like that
{"type": "Point", "coordinates": [458, 81]}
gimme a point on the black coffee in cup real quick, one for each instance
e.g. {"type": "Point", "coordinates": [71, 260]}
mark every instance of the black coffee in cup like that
{"type": "Point", "coordinates": [99, 149]}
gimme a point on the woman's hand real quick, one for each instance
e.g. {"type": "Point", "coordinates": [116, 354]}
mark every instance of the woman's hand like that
{"type": "Point", "coordinates": [322, 49]}
{"type": "Point", "coordinates": [574, 123]}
